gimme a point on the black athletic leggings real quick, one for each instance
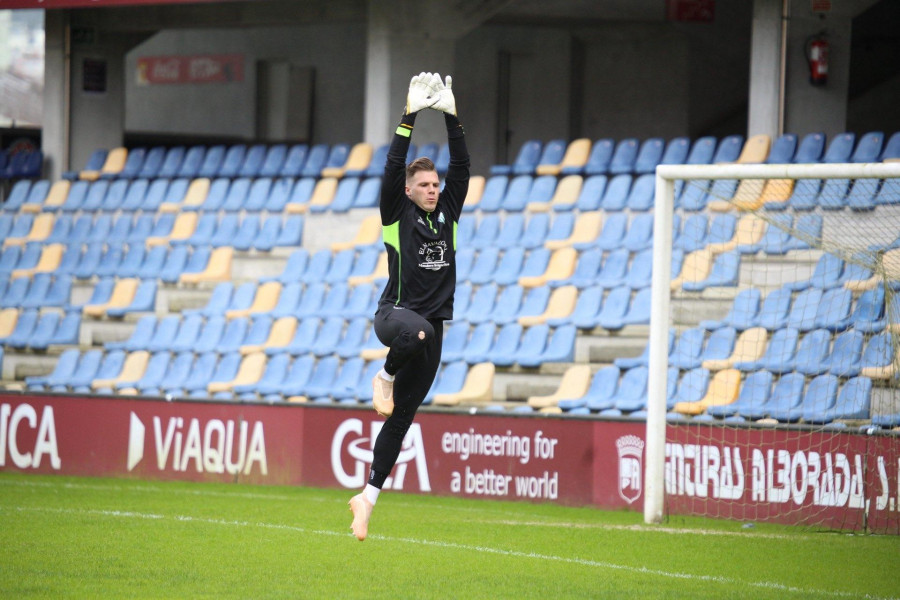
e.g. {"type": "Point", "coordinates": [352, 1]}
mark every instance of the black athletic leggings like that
{"type": "Point", "coordinates": [414, 356]}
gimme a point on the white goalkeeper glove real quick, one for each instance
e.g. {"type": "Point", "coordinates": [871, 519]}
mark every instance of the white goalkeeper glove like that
{"type": "Point", "coordinates": [423, 92]}
{"type": "Point", "coordinates": [446, 102]}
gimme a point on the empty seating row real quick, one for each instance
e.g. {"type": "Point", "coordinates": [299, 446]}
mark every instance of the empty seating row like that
{"type": "Point", "coordinates": [37, 329]}
{"type": "Point", "coordinates": [273, 195]}
{"type": "Point", "coordinates": [835, 309]}
{"type": "Point", "coordinates": [630, 155]}
{"type": "Point", "coordinates": [193, 229]}
{"type": "Point", "coordinates": [787, 350]}
{"type": "Point", "coordinates": [242, 160]}
{"type": "Point", "coordinates": [758, 395]}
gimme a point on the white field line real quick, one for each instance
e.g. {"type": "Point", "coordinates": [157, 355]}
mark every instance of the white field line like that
{"type": "Point", "coordinates": [769, 585]}
{"type": "Point", "coordinates": [637, 527]}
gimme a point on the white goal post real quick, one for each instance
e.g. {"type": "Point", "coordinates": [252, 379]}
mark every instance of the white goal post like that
{"type": "Point", "coordinates": [660, 315]}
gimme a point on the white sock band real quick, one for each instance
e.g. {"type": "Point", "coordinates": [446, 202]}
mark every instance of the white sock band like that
{"type": "Point", "coordinates": [371, 493]}
{"type": "Point", "coordinates": [384, 375]}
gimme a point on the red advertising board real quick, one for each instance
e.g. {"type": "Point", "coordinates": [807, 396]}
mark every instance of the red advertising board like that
{"type": "Point", "coordinates": [841, 480]}
{"type": "Point", "coordinates": [200, 68]}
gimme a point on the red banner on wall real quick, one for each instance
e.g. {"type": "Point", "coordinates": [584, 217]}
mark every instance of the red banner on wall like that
{"type": "Point", "coordinates": [840, 480]}
{"type": "Point", "coordinates": [205, 68]}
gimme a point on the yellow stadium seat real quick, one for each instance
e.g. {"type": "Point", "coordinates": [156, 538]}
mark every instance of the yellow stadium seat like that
{"type": "Point", "coordinates": [114, 163]}
{"type": "Point", "coordinates": [696, 267]}
{"type": "Point", "coordinates": [574, 384]}
{"type": "Point", "coordinates": [561, 266]}
{"type": "Point", "coordinates": [121, 297]}
{"type": "Point", "coordinates": [475, 191]}
{"type": "Point", "coordinates": [369, 233]}
{"type": "Point", "coordinates": [749, 230]}
{"type": "Point", "coordinates": [755, 150]}
{"type": "Point", "coordinates": [8, 319]}
{"type": "Point", "coordinates": [576, 155]}
{"type": "Point", "coordinates": [182, 229]}
{"type": "Point", "coordinates": [322, 196]}
{"type": "Point", "coordinates": [40, 229]}
{"type": "Point", "coordinates": [587, 228]}
{"type": "Point", "coordinates": [249, 372]}
{"type": "Point", "coordinates": [194, 197]}
{"type": "Point", "coordinates": [477, 389]}
{"type": "Point", "coordinates": [264, 300]}
{"type": "Point", "coordinates": [280, 335]}
{"type": "Point", "coordinates": [132, 369]}
{"type": "Point", "coordinates": [561, 304]}
{"type": "Point", "coordinates": [57, 195]}
{"type": "Point", "coordinates": [358, 159]}
{"type": "Point", "coordinates": [749, 346]}
{"type": "Point", "coordinates": [723, 389]}
{"type": "Point", "coordinates": [51, 255]}
{"type": "Point", "coordinates": [218, 268]}
{"type": "Point", "coordinates": [566, 194]}
{"type": "Point", "coordinates": [890, 261]}
{"type": "Point", "coordinates": [380, 272]}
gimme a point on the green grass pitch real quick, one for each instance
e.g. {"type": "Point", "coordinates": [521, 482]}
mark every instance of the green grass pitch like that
{"type": "Point", "coordinates": [106, 538]}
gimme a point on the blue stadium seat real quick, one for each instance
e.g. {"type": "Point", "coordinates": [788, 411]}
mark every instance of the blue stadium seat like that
{"type": "Point", "coordinates": [833, 195]}
{"type": "Point", "coordinates": [540, 193]}
{"type": "Point", "coordinates": [592, 190]}
{"type": "Point", "coordinates": [516, 196]}
{"type": "Point", "coordinates": [598, 396]}
{"type": "Point", "coordinates": [511, 231]}
{"type": "Point", "coordinates": [820, 396]}
{"type": "Point", "coordinates": [688, 348]}
{"type": "Point", "coordinates": [368, 194]}
{"type": "Point", "coordinates": [719, 346]}
{"type": "Point", "coordinates": [328, 336]}
{"type": "Point", "coordinates": [507, 306]}
{"type": "Point", "coordinates": [724, 273]}
{"type": "Point", "coordinates": [840, 149]}
{"type": "Point", "coordinates": [140, 336]}
{"type": "Point", "coordinates": [639, 309]}
{"type": "Point", "coordinates": [879, 351]}
{"type": "Point", "coordinates": [63, 369]}
{"type": "Point", "coordinates": [456, 335]}
{"type": "Point", "coordinates": [691, 387]}
{"type": "Point", "coordinates": [846, 355]}
{"type": "Point", "coordinates": [779, 354]}
{"type": "Point", "coordinates": [869, 148]}
{"type": "Point", "coordinates": [868, 315]}
{"type": "Point", "coordinates": [171, 165]}
{"type": "Point", "coordinates": [344, 196]}
{"type": "Point", "coordinates": [641, 196]}
{"type": "Point", "coordinates": [191, 162]}
{"type": "Point", "coordinates": [752, 397]}
{"type": "Point", "coordinates": [742, 314]}
{"type": "Point", "coordinates": [853, 402]}
{"type": "Point", "coordinates": [153, 160]}
{"type": "Point", "coordinates": [587, 308]}
{"type": "Point", "coordinates": [728, 149]}
{"type": "Point", "coordinates": [615, 196]}
{"type": "Point", "coordinates": [94, 163]}
{"type": "Point", "coordinates": [812, 352]}
{"type": "Point", "coordinates": [80, 376]}
{"type": "Point", "coordinates": [232, 161]}
{"type": "Point", "coordinates": [629, 396]}
{"type": "Point", "coordinates": [110, 367]}
{"type": "Point", "coordinates": [693, 233]}
{"type": "Point", "coordinates": [18, 196]}
{"type": "Point", "coordinates": [783, 150]}
{"type": "Point", "coordinates": [826, 274]}
{"type": "Point", "coordinates": [612, 235]}
{"type": "Point", "coordinates": [586, 270]}
{"type": "Point", "coordinates": [810, 148]}
{"type": "Point", "coordinates": [676, 152]}
{"type": "Point", "coordinates": [862, 196]}
{"type": "Point", "coordinates": [615, 267]}
{"type": "Point", "coordinates": [503, 351]}
{"type": "Point", "coordinates": [485, 265]}
{"type": "Point", "coordinates": [226, 230]}
{"type": "Point", "coordinates": [649, 156]}
{"type": "Point", "coordinates": [525, 162]}
{"type": "Point", "coordinates": [804, 307]}
{"type": "Point", "coordinates": [624, 156]}
{"type": "Point", "coordinates": [600, 157]}
{"type": "Point", "coordinates": [23, 330]}
{"type": "Point", "coordinates": [316, 160]}
{"type": "Point", "coordinates": [833, 312]}
{"type": "Point", "coordinates": [773, 314]}
{"type": "Point", "coordinates": [615, 307]}
{"type": "Point", "coordinates": [294, 161]}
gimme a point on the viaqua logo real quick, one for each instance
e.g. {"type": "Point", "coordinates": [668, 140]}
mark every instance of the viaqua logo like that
{"type": "Point", "coordinates": [349, 440]}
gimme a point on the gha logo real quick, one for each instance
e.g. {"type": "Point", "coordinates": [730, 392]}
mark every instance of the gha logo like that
{"type": "Point", "coordinates": [349, 440]}
{"type": "Point", "coordinates": [631, 454]}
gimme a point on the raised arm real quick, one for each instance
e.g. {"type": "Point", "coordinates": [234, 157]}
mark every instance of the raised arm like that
{"type": "Point", "coordinates": [456, 182]}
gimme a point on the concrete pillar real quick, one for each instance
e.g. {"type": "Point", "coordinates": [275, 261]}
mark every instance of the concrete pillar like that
{"type": "Point", "coordinates": [765, 69]}
{"type": "Point", "coordinates": [54, 135]}
{"type": "Point", "coordinates": [811, 108]}
{"type": "Point", "coordinates": [404, 38]}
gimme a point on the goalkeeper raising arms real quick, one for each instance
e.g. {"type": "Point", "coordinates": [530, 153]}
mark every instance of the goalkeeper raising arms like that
{"type": "Point", "coordinates": [419, 225]}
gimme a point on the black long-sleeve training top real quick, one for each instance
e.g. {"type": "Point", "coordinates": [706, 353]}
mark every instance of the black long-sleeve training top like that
{"type": "Point", "coordinates": [421, 246]}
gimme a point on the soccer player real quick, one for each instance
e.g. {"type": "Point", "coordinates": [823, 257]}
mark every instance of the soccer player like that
{"type": "Point", "coordinates": [419, 224]}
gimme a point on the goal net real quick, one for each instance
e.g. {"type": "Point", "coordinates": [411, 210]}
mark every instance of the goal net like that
{"type": "Point", "coordinates": [774, 391]}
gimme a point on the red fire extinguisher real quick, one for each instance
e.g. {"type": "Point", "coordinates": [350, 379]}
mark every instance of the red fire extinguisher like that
{"type": "Point", "coordinates": [817, 55]}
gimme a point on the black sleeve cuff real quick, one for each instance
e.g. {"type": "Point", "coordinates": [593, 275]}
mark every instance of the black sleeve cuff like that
{"type": "Point", "coordinates": [454, 127]}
